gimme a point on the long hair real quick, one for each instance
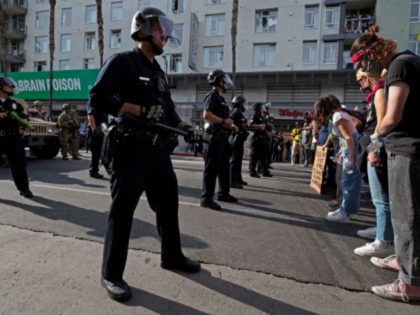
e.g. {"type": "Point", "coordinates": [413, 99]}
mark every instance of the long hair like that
{"type": "Point", "coordinates": [325, 107]}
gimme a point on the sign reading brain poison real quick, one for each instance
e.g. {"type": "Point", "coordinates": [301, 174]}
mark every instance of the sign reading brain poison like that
{"type": "Point", "coordinates": [67, 84]}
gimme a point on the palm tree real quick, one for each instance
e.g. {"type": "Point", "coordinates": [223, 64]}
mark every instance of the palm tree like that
{"type": "Point", "coordinates": [234, 32]}
{"type": "Point", "coordinates": [100, 22]}
{"type": "Point", "coordinates": [52, 48]}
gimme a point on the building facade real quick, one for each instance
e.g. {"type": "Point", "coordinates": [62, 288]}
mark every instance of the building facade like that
{"type": "Point", "coordinates": [288, 52]}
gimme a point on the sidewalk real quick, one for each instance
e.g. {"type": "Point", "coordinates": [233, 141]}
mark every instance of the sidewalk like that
{"type": "Point", "coordinates": [41, 273]}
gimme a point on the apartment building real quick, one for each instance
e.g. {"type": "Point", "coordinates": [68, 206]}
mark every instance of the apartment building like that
{"type": "Point", "coordinates": [288, 52]}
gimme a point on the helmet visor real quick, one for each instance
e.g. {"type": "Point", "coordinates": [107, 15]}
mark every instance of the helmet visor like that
{"type": "Point", "coordinates": [161, 25]}
{"type": "Point", "coordinates": [9, 82]}
{"type": "Point", "coordinates": [228, 81]}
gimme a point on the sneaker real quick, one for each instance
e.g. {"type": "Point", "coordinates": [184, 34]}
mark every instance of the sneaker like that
{"type": "Point", "coordinates": [368, 233]}
{"type": "Point", "coordinates": [267, 174]}
{"type": "Point", "coordinates": [389, 263]}
{"type": "Point", "coordinates": [337, 216]}
{"type": "Point", "coordinates": [211, 205]}
{"type": "Point", "coordinates": [398, 291]}
{"type": "Point", "coordinates": [184, 264]}
{"type": "Point", "coordinates": [227, 198]}
{"type": "Point", "coordinates": [376, 248]}
{"type": "Point", "coordinates": [236, 185]}
{"type": "Point", "coordinates": [254, 175]}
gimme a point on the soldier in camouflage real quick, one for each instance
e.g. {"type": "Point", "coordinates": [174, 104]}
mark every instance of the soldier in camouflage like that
{"type": "Point", "coordinates": [69, 135]}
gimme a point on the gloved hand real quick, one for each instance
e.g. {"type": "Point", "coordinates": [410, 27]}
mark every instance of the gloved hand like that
{"type": "Point", "coordinates": [190, 137]}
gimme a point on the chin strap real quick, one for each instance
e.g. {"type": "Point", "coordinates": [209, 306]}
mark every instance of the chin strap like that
{"type": "Point", "coordinates": [156, 49]}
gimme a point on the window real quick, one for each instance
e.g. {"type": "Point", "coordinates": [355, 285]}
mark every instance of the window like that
{"type": "Point", "coordinates": [90, 41]}
{"type": "Point", "coordinates": [309, 52]}
{"type": "Point", "coordinates": [332, 16]}
{"type": "Point", "coordinates": [41, 44]}
{"type": "Point", "coordinates": [175, 6]}
{"type": "Point", "coordinates": [115, 41]}
{"type": "Point", "coordinates": [40, 65]}
{"type": "Point", "coordinates": [66, 17]}
{"type": "Point", "coordinates": [41, 1]}
{"type": "Point", "coordinates": [415, 11]}
{"type": "Point", "coordinates": [65, 42]}
{"type": "Point", "coordinates": [64, 64]}
{"type": "Point", "coordinates": [179, 33]}
{"type": "Point", "coordinates": [213, 57]}
{"type": "Point", "coordinates": [215, 24]}
{"type": "Point", "coordinates": [266, 21]}
{"type": "Point", "coordinates": [88, 63]}
{"type": "Point", "coordinates": [311, 16]}
{"type": "Point", "coordinates": [116, 11]}
{"type": "Point", "coordinates": [144, 4]}
{"type": "Point", "coordinates": [174, 63]}
{"type": "Point", "coordinates": [264, 54]}
{"type": "Point", "coordinates": [41, 19]}
{"type": "Point", "coordinates": [414, 44]}
{"type": "Point", "coordinates": [330, 53]}
{"type": "Point", "coordinates": [90, 14]}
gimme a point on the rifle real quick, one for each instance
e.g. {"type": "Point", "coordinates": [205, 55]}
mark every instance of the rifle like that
{"type": "Point", "coordinates": [13, 115]}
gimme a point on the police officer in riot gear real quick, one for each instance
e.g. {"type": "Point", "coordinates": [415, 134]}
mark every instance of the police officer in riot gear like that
{"type": "Point", "coordinates": [11, 135]}
{"type": "Point", "coordinates": [237, 140]}
{"type": "Point", "coordinates": [218, 151]}
{"type": "Point", "coordinates": [258, 142]}
{"type": "Point", "coordinates": [132, 87]}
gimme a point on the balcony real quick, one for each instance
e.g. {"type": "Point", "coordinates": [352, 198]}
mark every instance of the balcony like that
{"type": "Point", "coordinates": [14, 56]}
{"type": "Point", "coordinates": [15, 7]}
{"type": "Point", "coordinates": [14, 29]}
{"type": "Point", "coordinates": [358, 24]}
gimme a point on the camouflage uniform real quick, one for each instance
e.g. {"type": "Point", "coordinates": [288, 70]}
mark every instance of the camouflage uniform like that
{"type": "Point", "coordinates": [69, 135]}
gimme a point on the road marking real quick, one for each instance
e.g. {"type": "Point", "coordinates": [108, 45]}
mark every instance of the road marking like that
{"type": "Point", "coordinates": [230, 207]}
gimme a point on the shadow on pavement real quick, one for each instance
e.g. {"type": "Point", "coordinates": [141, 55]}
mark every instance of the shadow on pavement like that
{"type": "Point", "coordinates": [93, 220]}
{"type": "Point", "coordinates": [244, 295]}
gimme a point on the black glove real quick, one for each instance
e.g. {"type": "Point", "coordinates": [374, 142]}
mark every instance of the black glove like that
{"type": "Point", "coordinates": [190, 137]}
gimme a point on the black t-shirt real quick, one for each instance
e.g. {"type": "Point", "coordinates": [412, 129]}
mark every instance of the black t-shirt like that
{"type": "Point", "coordinates": [405, 138]}
{"type": "Point", "coordinates": [216, 104]}
{"type": "Point", "coordinates": [371, 121]}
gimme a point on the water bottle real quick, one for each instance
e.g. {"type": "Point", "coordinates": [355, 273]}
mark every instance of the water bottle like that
{"type": "Point", "coordinates": [347, 165]}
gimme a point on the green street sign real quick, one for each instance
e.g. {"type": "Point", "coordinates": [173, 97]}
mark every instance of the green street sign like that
{"type": "Point", "coordinates": [67, 84]}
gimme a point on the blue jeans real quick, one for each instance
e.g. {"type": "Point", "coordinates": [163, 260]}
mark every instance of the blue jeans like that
{"type": "Point", "coordinates": [404, 196]}
{"type": "Point", "coordinates": [351, 188]}
{"type": "Point", "coordinates": [380, 199]}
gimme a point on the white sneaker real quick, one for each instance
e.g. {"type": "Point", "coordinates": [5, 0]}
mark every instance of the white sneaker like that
{"type": "Point", "coordinates": [334, 212]}
{"type": "Point", "coordinates": [337, 216]}
{"type": "Point", "coordinates": [368, 233]}
{"type": "Point", "coordinates": [376, 248]}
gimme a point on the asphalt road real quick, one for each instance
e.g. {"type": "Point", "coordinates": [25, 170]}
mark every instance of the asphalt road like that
{"type": "Point", "coordinates": [277, 228]}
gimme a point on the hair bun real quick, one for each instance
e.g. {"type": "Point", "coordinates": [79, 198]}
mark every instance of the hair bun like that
{"type": "Point", "coordinates": [373, 29]}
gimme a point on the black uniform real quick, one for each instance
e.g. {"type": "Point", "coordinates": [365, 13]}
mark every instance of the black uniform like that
{"type": "Point", "coordinates": [95, 139]}
{"type": "Point", "coordinates": [218, 151]}
{"type": "Point", "coordinates": [237, 141]}
{"type": "Point", "coordinates": [12, 145]}
{"type": "Point", "coordinates": [258, 146]}
{"type": "Point", "coordinates": [139, 163]}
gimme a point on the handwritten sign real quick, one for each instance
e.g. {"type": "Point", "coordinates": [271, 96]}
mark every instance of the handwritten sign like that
{"type": "Point", "coordinates": [318, 168]}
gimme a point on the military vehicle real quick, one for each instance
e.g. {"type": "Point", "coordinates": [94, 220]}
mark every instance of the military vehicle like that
{"type": "Point", "coordinates": [43, 140]}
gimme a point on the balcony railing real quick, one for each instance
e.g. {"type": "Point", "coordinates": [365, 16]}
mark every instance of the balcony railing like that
{"type": "Point", "coordinates": [15, 6]}
{"type": "Point", "coordinates": [15, 56]}
{"type": "Point", "coordinates": [14, 29]}
{"type": "Point", "coordinates": [357, 25]}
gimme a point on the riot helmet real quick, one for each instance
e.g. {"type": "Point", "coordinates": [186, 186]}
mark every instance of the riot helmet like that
{"type": "Point", "coordinates": [7, 81]}
{"type": "Point", "coordinates": [218, 76]}
{"type": "Point", "coordinates": [66, 106]}
{"type": "Point", "coordinates": [239, 102]}
{"type": "Point", "coordinates": [149, 21]}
